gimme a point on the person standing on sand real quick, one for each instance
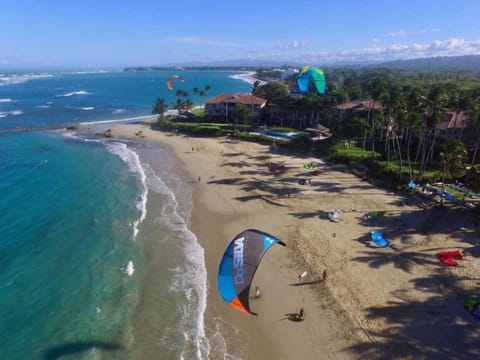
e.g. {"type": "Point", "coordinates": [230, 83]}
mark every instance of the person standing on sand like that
{"type": "Point", "coordinates": [301, 314]}
{"type": "Point", "coordinates": [257, 293]}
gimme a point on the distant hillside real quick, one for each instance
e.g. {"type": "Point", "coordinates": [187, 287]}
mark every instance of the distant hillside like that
{"type": "Point", "coordinates": [470, 63]}
{"type": "Point", "coordinates": [441, 63]}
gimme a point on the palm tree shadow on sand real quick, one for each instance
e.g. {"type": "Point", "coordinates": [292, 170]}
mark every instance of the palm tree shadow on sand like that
{"type": "Point", "coordinates": [70, 348]}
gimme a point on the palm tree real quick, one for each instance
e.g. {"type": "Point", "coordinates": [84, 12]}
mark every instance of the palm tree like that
{"type": "Point", "coordinates": [188, 105]}
{"type": "Point", "coordinates": [181, 93]}
{"type": "Point", "coordinates": [376, 89]}
{"type": "Point", "coordinates": [179, 105]}
{"type": "Point", "coordinates": [160, 107]}
{"type": "Point", "coordinates": [453, 161]}
{"type": "Point", "coordinates": [241, 113]}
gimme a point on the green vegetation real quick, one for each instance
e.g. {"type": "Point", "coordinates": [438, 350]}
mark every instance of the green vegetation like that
{"type": "Point", "coordinates": [345, 152]}
{"type": "Point", "coordinates": [74, 127]}
{"type": "Point", "coordinates": [199, 112]}
{"type": "Point", "coordinates": [199, 129]}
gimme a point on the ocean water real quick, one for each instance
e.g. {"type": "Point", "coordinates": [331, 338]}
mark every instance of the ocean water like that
{"type": "Point", "coordinates": [96, 258]}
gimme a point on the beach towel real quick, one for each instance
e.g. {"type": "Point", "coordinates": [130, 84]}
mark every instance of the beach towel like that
{"type": "Point", "coordinates": [335, 216]}
{"type": "Point", "coordinates": [448, 257]}
{"type": "Point", "coordinates": [378, 237]}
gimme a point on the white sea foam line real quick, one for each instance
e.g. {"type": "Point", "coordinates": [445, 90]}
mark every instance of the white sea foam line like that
{"type": "Point", "coordinates": [82, 72]}
{"type": "Point", "coordinates": [196, 272]}
{"type": "Point", "coordinates": [133, 161]}
{"type": "Point", "coordinates": [136, 118]}
{"type": "Point", "coordinates": [15, 112]}
{"type": "Point", "coordinates": [79, 92]}
{"type": "Point", "coordinates": [5, 100]}
{"type": "Point", "coordinates": [21, 78]}
{"type": "Point", "coordinates": [248, 77]}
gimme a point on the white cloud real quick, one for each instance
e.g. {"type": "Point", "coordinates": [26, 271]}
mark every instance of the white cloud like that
{"type": "Point", "coordinates": [432, 30]}
{"type": "Point", "coordinates": [190, 40]}
{"type": "Point", "coordinates": [403, 32]}
{"type": "Point", "coordinates": [450, 47]}
{"type": "Point", "coordinates": [397, 33]}
{"type": "Point", "coordinates": [295, 44]}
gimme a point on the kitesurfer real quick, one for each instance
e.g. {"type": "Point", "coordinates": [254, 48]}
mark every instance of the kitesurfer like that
{"type": "Point", "coordinates": [301, 314]}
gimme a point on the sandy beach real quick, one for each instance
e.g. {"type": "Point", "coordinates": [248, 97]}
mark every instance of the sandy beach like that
{"type": "Point", "coordinates": [360, 301]}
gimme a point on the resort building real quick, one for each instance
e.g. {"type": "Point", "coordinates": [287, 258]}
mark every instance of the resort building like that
{"type": "Point", "coordinates": [456, 126]}
{"type": "Point", "coordinates": [223, 105]}
{"type": "Point", "coordinates": [359, 106]}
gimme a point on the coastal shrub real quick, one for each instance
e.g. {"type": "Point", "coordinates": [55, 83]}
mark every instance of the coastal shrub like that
{"type": "Point", "coordinates": [302, 143]}
{"type": "Point", "coordinates": [74, 127]}
{"type": "Point", "coordinates": [199, 129]}
{"type": "Point", "coordinates": [323, 148]}
{"type": "Point", "coordinates": [346, 153]}
{"type": "Point", "coordinates": [283, 129]}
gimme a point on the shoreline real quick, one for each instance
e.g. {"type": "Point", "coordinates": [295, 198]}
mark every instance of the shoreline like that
{"type": "Point", "coordinates": [359, 300]}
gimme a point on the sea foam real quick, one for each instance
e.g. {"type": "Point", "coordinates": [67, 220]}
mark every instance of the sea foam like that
{"type": "Point", "coordinates": [133, 161]}
{"type": "Point", "coordinates": [15, 112]}
{"type": "Point", "coordinates": [10, 79]}
{"type": "Point", "coordinates": [190, 279]}
{"type": "Point", "coordinates": [80, 92]}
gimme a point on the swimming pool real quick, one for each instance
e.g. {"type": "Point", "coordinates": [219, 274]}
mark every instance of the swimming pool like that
{"type": "Point", "coordinates": [280, 136]}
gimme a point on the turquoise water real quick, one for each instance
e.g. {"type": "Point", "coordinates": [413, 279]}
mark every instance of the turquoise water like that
{"type": "Point", "coordinates": [48, 99]}
{"type": "Point", "coordinates": [76, 210]}
{"type": "Point", "coordinates": [61, 254]}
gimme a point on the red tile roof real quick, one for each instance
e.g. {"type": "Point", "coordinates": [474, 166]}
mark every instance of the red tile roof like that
{"type": "Point", "coordinates": [360, 105]}
{"type": "Point", "coordinates": [236, 98]}
{"type": "Point", "coordinates": [454, 120]}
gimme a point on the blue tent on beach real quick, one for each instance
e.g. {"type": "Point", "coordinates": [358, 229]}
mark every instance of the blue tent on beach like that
{"type": "Point", "coordinates": [378, 237]}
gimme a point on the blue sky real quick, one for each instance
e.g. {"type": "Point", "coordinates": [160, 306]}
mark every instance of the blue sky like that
{"type": "Point", "coordinates": [107, 33]}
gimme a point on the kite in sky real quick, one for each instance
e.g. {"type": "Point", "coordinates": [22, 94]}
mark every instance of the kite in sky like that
{"type": "Point", "coordinates": [170, 81]}
{"type": "Point", "coordinates": [309, 73]}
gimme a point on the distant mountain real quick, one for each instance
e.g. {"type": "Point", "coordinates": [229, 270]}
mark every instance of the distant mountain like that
{"type": "Point", "coordinates": [440, 63]}
{"type": "Point", "coordinates": [241, 62]}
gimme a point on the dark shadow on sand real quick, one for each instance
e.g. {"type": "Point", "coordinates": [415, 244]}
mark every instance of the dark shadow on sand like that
{"type": "Point", "coordinates": [313, 282]}
{"type": "Point", "coordinates": [295, 317]}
